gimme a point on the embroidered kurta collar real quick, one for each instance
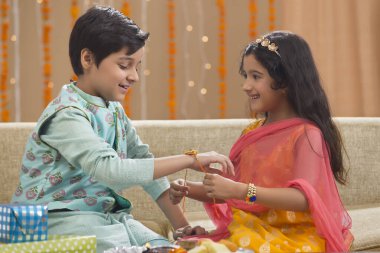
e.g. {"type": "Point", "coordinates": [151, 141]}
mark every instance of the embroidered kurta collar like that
{"type": "Point", "coordinates": [98, 101]}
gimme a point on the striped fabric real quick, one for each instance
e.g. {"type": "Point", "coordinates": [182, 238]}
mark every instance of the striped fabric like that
{"type": "Point", "coordinates": [23, 223]}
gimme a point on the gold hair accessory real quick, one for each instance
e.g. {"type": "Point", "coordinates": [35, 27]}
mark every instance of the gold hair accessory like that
{"type": "Point", "coordinates": [265, 42]}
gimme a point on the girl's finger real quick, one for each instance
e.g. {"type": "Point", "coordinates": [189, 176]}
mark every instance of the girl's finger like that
{"type": "Point", "coordinates": [179, 187]}
{"type": "Point", "coordinates": [231, 167]}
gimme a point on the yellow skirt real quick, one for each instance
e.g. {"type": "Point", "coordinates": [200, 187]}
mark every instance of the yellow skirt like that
{"type": "Point", "coordinates": [275, 231]}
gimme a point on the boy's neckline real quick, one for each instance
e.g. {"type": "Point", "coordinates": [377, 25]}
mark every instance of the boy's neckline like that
{"type": "Point", "coordinates": [98, 101]}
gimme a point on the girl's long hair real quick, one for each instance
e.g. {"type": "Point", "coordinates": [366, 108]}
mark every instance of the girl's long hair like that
{"type": "Point", "coordinates": [295, 70]}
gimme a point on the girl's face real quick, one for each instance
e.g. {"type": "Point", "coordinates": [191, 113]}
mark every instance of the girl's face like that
{"type": "Point", "coordinates": [258, 86]}
{"type": "Point", "coordinates": [113, 77]}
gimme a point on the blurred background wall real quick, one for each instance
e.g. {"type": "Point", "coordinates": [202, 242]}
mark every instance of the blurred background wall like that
{"type": "Point", "coordinates": [203, 39]}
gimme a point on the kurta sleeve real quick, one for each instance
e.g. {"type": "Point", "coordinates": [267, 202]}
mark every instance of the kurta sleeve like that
{"type": "Point", "coordinates": [70, 133]}
{"type": "Point", "coordinates": [138, 150]}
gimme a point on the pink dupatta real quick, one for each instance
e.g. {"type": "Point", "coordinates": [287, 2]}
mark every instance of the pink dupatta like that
{"type": "Point", "coordinates": [288, 153]}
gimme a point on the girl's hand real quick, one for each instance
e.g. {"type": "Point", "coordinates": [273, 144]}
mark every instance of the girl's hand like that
{"type": "Point", "coordinates": [210, 162]}
{"type": "Point", "coordinates": [188, 230]}
{"type": "Point", "coordinates": [177, 191]}
{"type": "Point", "coordinates": [219, 187]}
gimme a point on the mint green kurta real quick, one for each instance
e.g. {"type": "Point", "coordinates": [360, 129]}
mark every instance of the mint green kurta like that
{"type": "Point", "coordinates": [80, 153]}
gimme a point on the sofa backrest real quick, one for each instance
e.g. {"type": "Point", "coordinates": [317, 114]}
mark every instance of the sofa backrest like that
{"type": "Point", "coordinates": [360, 135]}
{"type": "Point", "coordinates": [13, 138]}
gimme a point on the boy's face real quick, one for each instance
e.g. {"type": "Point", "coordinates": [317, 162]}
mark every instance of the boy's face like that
{"type": "Point", "coordinates": [114, 75]}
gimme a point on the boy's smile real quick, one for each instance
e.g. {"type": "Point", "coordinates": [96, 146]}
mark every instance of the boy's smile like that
{"type": "Point", "coordinates": [113, 77]}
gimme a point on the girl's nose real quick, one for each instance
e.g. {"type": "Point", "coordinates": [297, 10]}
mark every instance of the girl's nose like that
{"type": "Point", "coordinates": [246, 86]}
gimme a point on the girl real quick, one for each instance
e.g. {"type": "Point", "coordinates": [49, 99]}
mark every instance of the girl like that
{"type": "Point", "coordinates": [283, 197]}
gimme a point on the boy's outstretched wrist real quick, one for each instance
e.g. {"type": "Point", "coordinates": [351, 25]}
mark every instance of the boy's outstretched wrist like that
{"type": "Point", "coordinates": [192, 153]}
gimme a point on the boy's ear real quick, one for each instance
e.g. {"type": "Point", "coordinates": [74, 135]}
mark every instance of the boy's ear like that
{"type": "Point", "coordinates": [86, 58]}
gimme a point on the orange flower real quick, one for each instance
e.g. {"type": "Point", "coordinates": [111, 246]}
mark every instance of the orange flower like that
{"type": "Point", "coordinates": [125, 9]}
{"type": "Point", "coordinates": [75, 12]}
{"type": "Point", "coordinates": [252, 19]}
{"type": "Point", "coordinates": [272, 15]}
{"type": "Point", "coordinates": [222, 53]}
{"type": "Point", "coordinates": [47, 57]}
{"type": "Point", "coordinates": [47, 69]}
{"type": "Point", "coordinates": [5, 115]}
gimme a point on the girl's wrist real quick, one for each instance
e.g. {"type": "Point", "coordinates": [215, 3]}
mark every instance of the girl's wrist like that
{"type": "Point", "coordinates": [241, 191]}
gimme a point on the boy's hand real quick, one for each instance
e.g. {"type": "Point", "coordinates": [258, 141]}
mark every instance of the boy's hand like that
{"type": "Point", "coordinates": [177, 191]}
{"type": "Point", "coordinates": [188, 230]}
{"type": "Point", "coordinates": [211, 160]}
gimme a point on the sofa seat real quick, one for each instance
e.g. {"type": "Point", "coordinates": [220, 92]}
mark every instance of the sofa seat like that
{"type": "Point", "coordinates": [365, 227]}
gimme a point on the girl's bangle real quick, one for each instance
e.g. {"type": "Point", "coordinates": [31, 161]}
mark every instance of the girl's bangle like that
{"type": "Point", "coordinates": [251, 194]}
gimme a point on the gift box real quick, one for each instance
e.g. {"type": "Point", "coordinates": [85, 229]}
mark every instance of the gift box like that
{"type": "Point", "coordinates": [54, 243]}
{"type": "Point", "coordinates": [23, 223]}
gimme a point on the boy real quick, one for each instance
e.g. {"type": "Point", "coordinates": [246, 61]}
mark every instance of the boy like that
{"type": "Point", "coordinates": [84, 149]}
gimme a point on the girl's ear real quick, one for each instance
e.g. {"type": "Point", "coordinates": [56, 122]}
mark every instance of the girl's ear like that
{"type": "Point", "coordinates": [284, 90]}
{"type": "Point", "coordinates": [86, 58]}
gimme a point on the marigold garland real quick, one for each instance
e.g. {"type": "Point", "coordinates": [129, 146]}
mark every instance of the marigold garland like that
{"type": "Point", "coordinates": [272, 15]}
{"type": "Point", "coordinates": [222, 64]}
{"type": "Point", "coordinates": [47, 66]}
{"type": "Point", "coordinates": [74, 13]}
{"type": "Point", "coordinates": [5, 116]}
{"type": "Point", "coordinates": [252, 7]}
{"type": "Point", "coordinates": [172, 65]}
{"type": "Point", "coordinates": [126, 10]}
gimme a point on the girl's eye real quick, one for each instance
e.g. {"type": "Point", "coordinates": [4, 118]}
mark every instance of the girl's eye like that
{"type": "Point", "coordinates": [123, 67]}
{"type": "Point", "coordinates": [255, 77]}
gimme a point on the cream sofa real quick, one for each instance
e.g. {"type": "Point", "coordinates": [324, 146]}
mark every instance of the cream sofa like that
{"type": "Point", "coordinates": [361, 195]}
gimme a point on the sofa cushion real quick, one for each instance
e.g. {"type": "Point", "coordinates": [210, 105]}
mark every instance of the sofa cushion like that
{"type": "Point", "coordinates": [161, 227]}
{"type": "Point", "coordinates": [365, 227]}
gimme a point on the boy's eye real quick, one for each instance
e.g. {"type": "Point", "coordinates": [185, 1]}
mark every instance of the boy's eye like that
{"type": "Point", "coordinates": [123, 67]}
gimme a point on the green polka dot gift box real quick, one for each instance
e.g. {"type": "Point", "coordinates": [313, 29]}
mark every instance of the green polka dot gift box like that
{"type": "Point", "coordinates": [23, 223]}
{"type": "Point", "coordinates": [55, 243]}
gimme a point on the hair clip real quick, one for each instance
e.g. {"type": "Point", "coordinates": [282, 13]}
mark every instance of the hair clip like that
{"type": "Point", "coordinates": [265, 42]}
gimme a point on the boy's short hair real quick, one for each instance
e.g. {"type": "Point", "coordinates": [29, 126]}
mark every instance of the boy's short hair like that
{"type": "Point", "coordinates": [103, 31]}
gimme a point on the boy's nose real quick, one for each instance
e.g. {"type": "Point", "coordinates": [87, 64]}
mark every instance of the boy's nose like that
{"type": "Point", "coordinates": [133, 76]}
